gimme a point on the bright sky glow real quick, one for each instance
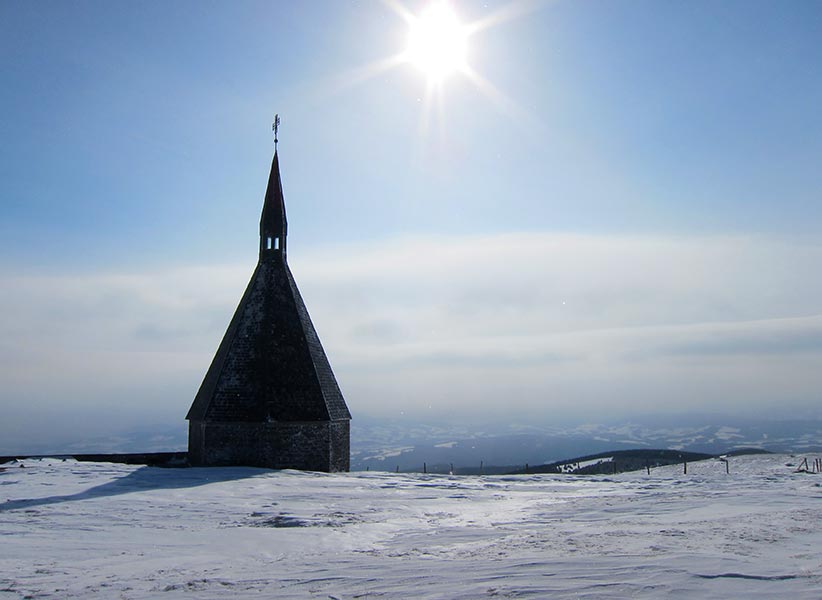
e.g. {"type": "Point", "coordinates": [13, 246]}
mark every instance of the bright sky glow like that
{"type": "Point", "coordinates": [437, 42]}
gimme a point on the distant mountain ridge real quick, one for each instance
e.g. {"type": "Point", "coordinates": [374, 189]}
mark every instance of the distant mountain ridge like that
{"type": "Point", "coordinates": [392, 445]}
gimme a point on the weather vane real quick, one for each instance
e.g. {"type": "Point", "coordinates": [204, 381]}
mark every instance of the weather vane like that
{"type": "Point", "coordinates": [275, 126]}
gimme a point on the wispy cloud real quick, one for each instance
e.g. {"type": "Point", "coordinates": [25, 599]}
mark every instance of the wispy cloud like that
{"type": "Point", "coordinates": [530, 322]}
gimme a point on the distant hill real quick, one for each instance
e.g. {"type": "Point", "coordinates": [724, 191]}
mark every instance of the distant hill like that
{"type": "Point", "coordinates": [747, 451]}
{"type": "Point", "coordinates": [617, 462]}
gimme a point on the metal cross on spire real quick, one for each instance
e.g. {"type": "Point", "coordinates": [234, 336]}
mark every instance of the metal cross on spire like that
{"type": "Point", "coordinates": [275, 127]}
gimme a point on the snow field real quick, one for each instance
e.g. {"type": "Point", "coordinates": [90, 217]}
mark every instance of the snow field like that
{"type": "Point", "coordinates": [97, 530]}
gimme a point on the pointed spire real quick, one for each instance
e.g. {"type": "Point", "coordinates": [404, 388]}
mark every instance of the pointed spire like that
{"type": "Point", "coordinates": [273, 224]}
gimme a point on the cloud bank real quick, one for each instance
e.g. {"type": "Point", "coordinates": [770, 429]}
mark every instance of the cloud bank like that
{"type": "Point", "coordinates": [535, 326]}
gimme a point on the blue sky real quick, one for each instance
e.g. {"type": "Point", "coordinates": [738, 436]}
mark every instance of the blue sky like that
{"type": "Point", "coordinates": [136, 143]}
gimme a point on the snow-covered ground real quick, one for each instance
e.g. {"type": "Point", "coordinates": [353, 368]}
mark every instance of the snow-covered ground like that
{"type": "Point", "coordinates": [97, 530]}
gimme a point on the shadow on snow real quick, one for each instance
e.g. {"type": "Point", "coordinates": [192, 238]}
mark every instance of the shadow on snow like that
{"type": "Point", "coordinates": [144, 479]}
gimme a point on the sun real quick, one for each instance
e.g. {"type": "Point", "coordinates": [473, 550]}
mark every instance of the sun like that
{"type": "Point", "coordinates": [437, 45]}
{"type": "Point", "coordinates": [437, 42]}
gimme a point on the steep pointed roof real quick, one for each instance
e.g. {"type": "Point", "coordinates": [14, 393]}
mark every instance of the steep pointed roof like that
{"type": "Point", "coordinates": [270, 365]}
{"type": "Point", "coordinates": [273, 223]}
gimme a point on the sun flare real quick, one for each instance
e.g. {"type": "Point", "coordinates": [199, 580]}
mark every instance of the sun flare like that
{"type": "Point", "coordinates": [437, 46]}
{"type": "Point", "coordinates": [437, 42]}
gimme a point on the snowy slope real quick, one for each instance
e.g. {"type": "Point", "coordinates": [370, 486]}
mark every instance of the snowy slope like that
{"type": "Point", "coordinates": [95, 530]}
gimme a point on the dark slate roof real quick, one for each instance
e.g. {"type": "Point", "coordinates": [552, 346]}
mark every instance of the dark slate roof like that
{"type": "Point", "coordinates": [270, 364]}
{"type": "Point", "coordinates": [273, 223]}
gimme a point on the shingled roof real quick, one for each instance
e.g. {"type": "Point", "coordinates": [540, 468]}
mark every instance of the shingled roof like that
{"type": "Point", "coordinates": [270, 365]}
